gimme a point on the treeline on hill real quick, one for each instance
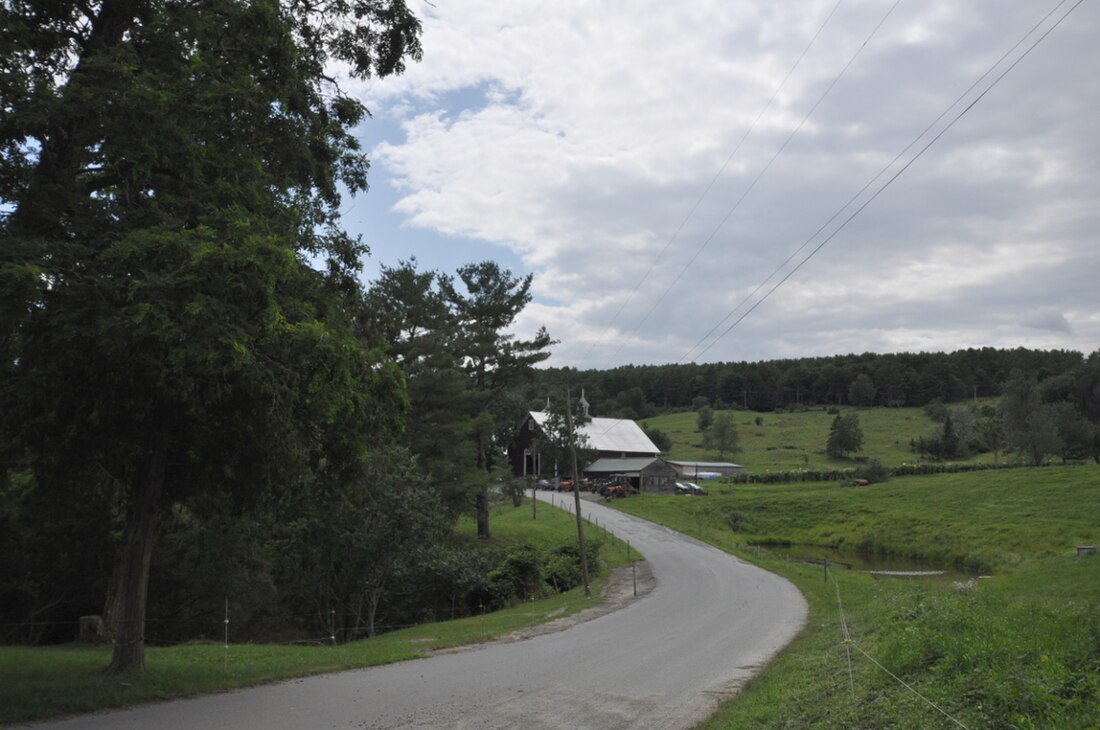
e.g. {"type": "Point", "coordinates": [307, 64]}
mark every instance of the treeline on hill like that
{"type": "Point", "coordinates": [890, 380]}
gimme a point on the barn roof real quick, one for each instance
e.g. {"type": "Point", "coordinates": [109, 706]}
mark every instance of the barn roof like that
{"type": "Point", "coordinates": [620, 466]}
{"type": "Point", "coordinates": [609, 434]}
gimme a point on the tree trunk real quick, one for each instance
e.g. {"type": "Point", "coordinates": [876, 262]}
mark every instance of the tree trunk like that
{"type": "Point", "coordinates": [374, 595]}
{"type": "Point", "coordinates": [482, 500]}
{"type": "Point", "coordinates": [124, 614]}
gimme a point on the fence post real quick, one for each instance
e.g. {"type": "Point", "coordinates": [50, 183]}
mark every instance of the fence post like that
{"type": "Point", "coordinates": [225, 661]}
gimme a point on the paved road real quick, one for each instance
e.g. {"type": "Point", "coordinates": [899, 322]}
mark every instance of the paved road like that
{"type": "Point", "coordinates": [663, 661]}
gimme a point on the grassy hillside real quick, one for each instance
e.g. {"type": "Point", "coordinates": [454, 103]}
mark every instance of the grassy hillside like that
{"type": "Point", "coordinates": [796, 440]}
{"type": "Point", "coordinates": [1018, 650]}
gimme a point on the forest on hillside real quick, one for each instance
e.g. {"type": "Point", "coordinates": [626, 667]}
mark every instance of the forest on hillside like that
{"type": "Point", "coordinates": [868, 379]}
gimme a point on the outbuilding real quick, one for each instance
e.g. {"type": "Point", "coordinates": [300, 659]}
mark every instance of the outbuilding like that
{"type": "Point", "coordinates": [705, 469]}
{"type": "Point", "coordinates": [646, 473]}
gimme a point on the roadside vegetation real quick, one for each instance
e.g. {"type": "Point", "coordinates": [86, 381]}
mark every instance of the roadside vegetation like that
{"type": "Point", "coordinates": [41, 682]}
{"type": "Point", "coordinates": [1018, 649]}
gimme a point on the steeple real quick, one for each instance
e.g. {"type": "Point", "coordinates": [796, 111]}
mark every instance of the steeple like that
{"type": "Point", "coordinates": [584, 405]}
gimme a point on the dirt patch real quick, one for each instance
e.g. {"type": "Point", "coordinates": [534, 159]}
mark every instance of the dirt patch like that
{"type": "Point", "coordinates": [617, 593]}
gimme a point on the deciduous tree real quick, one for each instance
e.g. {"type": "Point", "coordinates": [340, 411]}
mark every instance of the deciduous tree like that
{"type": "Point", "coordinates": [861, 392]}
{"type": "Point", "coordinates": [167, 171]}
{"type": "Point", "coordinates": [722, 435]}
{"type": "Point", "coordinates": [845, 436]}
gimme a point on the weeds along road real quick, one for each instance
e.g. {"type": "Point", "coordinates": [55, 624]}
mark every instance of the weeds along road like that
{"type": "Point", "coordinates": [663, 661]}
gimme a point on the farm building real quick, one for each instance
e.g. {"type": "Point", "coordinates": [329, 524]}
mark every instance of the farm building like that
{"type": "Point", "coordinates": [614, 438]}
{"type": "Point", "coordinates": [693, 469]}
{"type": "Point", "coordinates": [645, 473]}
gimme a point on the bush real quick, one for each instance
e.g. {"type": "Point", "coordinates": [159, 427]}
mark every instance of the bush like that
{"type": "Point", "coordinates": [561, 571]}
{"type": "Point", "coordinates": [561, 566]}
{"type": "Point", "coordinates": [874, 472]}
{"type": "Point", "coordinates": [518, 576]}
{"type": "Point", "coordinates": [936, 409]}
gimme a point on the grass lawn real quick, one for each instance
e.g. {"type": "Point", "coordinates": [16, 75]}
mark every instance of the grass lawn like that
{"type": "Point", "coordinates": [1018, 650]}
{"type": "Point", "coordinates": [796, 440]}
{"type": "Point", "coordinates": [41, 682]}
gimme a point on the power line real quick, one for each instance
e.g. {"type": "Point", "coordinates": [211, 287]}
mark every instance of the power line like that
{"type": "Point", "coordinates": [896, 175]}
{"type": "Point", "coordinates": [870, 182]}
{"type": "Point", "coordinates": [761, 173]}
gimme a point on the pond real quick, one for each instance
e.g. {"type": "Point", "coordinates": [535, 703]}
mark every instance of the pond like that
{"type": "Point", "coordinates": [880, 565]}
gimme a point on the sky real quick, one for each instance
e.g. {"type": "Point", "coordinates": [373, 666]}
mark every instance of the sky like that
{"type": "Point", "coordinates": [659, 168]}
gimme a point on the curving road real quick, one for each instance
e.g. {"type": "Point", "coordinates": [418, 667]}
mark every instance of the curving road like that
{"type": "Point", "coordinates": [664, 661]}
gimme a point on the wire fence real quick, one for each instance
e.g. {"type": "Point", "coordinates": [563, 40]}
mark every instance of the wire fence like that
{"type": "Point", "coordinates": [848, 643]}
{"type": "Point", "coordinates": [215, 623]}
{"type": "Point", "coordinates": [338, 626]}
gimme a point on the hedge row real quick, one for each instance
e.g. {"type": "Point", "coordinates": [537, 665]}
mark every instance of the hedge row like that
{"type": "Point", "coordinates": [839, 475]}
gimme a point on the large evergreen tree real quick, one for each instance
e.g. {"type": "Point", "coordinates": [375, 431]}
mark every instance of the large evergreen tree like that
{"type": "Point", "coordinates": [485, 307]}
{"type": "Point", "coordinates": [168, 170]}
{"type": "Point", "coordinates": [405, 308]}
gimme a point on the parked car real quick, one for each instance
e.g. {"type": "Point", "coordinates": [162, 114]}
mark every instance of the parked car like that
{"type": "Point", "coordinates": [565, 485]}
{"type": "Point", "coordinates": [690, 488]}
{"type": "Point", "coordinates": [544, 484]}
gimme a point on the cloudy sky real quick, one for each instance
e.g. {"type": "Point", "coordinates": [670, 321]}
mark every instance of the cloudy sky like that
{"type": "Point", "coordinates": [653, 164]}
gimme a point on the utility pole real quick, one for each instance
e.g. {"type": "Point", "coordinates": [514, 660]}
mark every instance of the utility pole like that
{"type": "Point", "coordinates": [534, 501]}
{"type": "Point", "coordinates": [577, 493]}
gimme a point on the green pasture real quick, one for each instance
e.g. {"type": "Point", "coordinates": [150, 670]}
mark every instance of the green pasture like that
{"type": "Point", "coordinates": [787, 441]}
{"type": "Point", "coordinates": [41, 682]}
{"type": "Point", "coordinates": [1019, 649]}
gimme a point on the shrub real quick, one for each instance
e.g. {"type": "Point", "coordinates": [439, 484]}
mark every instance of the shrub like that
{"type": "Point", "coordinates": [936, 409]}
{"type": "Point", "coordinates": [874, 471]}
{"type": "Point", "coordinates": [561, 571]}
{"type": "Point", "coordinates": [519, 575]}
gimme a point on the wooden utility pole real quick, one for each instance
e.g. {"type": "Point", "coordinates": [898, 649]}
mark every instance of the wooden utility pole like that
{"type": "Point", "coordinates": [534, 502]}
{"type": "Point", "coordinates": [577, 493]}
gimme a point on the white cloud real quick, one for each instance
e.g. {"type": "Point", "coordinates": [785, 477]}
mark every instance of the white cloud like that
{"type": "Point", "coordinates": [584, 133]}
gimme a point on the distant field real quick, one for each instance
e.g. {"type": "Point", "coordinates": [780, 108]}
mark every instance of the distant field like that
{"type": "Point", "coordinates": [1018, 650]}
{"type": "Point", "coordinates": [985, 521]}
{"type": "Point", "coordinates": [796, 440]}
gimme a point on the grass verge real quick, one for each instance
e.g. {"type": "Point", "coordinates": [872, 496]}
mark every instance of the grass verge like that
{"type": "Point", "coordinates": [1018, 650]}
{"type": "Point", "coordinates": [42, 682]}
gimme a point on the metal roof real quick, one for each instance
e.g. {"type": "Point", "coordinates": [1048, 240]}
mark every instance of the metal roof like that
{"type": "Point", "coordinates": [706, 464]}
{"type": "Point", "coordinates": [621, 466]}
{"type": "Point", "coordinates": [609, 434]}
